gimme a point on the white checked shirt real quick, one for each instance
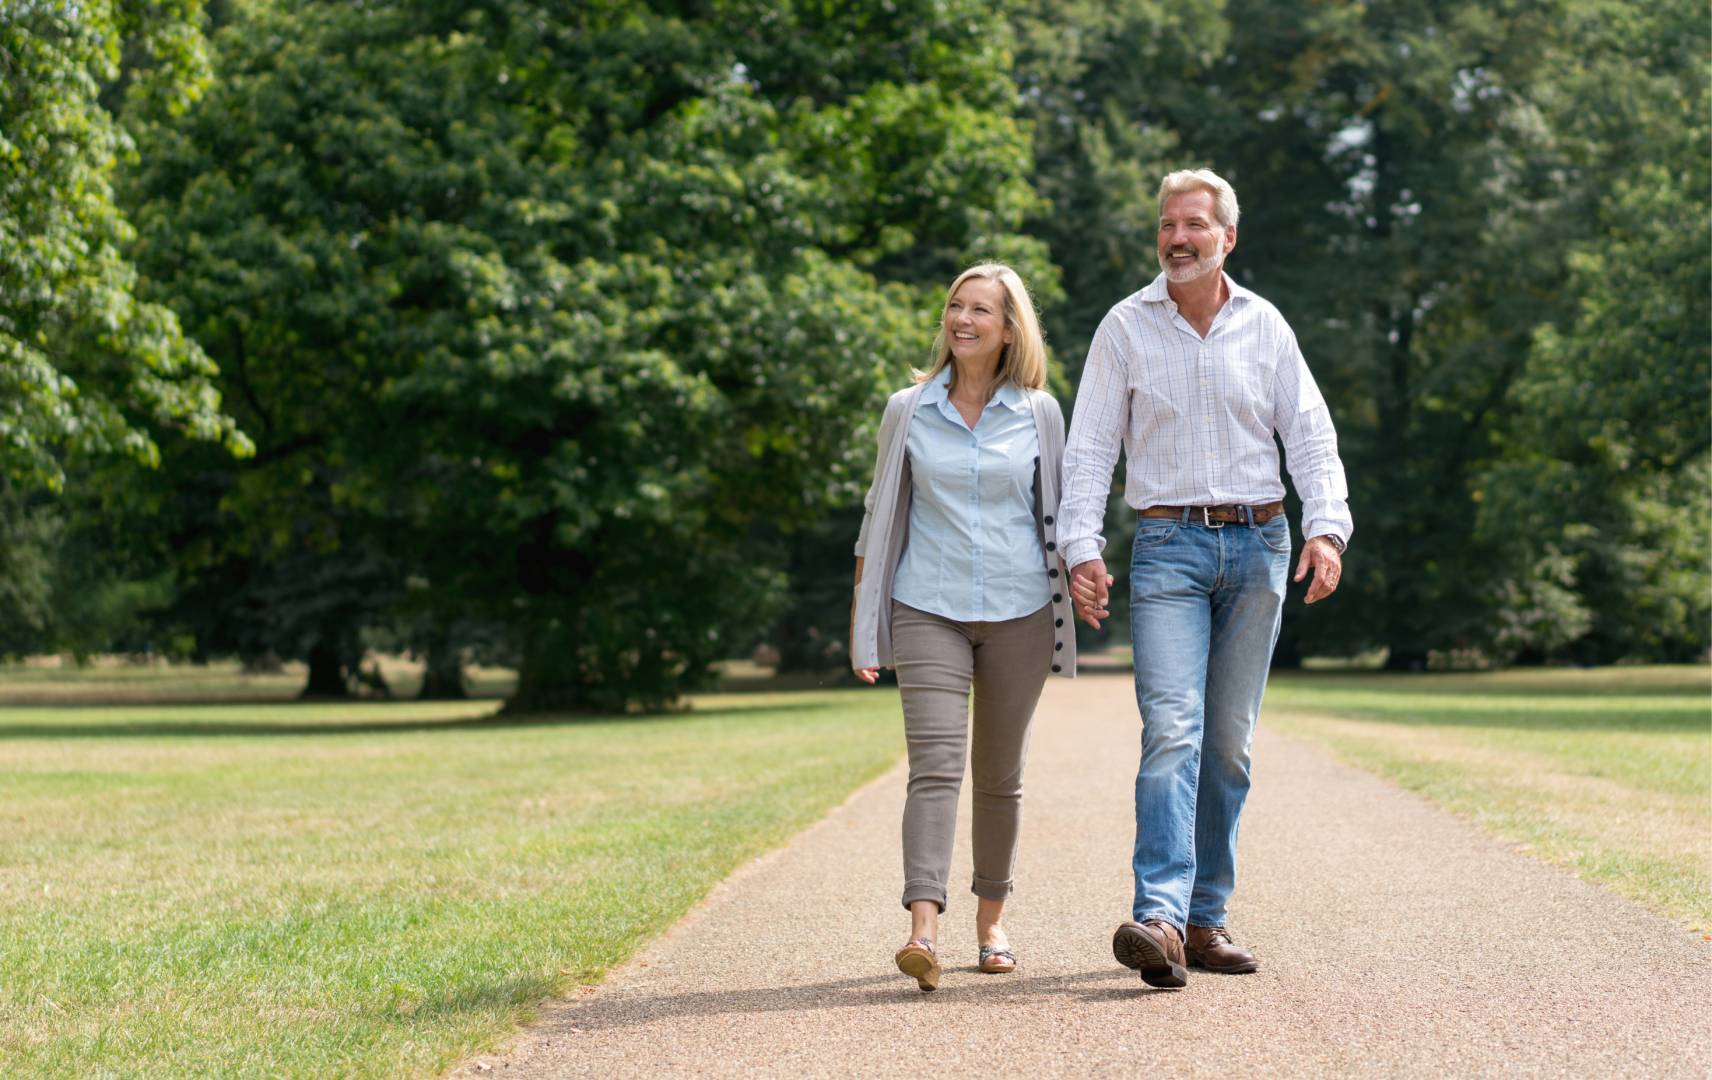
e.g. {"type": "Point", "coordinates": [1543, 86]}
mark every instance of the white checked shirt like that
{"type": "Point", "coordinates": [1196, 418]}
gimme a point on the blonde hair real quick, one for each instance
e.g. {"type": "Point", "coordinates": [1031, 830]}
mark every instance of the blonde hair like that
{"type": "Point", "coordinates": [1022, 362]}
{"type": "Point", "coordinates": [1225, 209]}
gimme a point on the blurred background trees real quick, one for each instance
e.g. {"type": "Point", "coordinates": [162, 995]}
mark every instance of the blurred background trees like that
{"type": "Point", "coordinates": [560, 334]}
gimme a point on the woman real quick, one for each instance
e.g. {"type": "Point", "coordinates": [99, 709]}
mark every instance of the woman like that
{"type": "Point", "coordinates": [964, 588]}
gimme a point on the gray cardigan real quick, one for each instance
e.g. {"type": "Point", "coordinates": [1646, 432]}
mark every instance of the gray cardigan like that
{"type": "Point", "coordinates": [885, 529]}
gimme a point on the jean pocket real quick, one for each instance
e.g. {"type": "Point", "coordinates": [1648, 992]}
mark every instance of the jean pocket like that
{"type": "Point", "coordinates": [1275, 534]}
{"type": "Point", "coordinates": [1152, 533]}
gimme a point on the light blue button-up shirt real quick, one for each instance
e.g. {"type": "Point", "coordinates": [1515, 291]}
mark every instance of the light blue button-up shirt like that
{"type": "Point", "coordinates": [974, 551]}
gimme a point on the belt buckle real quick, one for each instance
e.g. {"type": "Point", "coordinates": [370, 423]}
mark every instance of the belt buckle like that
{"type": "Point", "coordinates": [1206, 519]}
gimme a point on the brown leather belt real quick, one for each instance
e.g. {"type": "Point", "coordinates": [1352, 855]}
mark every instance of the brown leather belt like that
{"type": "Point", "coordinates": [1216, 515]}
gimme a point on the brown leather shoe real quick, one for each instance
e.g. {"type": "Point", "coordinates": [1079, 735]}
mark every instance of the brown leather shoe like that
{"type": "Point", "coordinates": [1154, 949]}
{"type": "Point", "coordinates": [1211, 947]}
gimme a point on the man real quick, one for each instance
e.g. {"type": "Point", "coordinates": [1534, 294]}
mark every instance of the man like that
{"type": "Point", "coordinates": [1195, 373]}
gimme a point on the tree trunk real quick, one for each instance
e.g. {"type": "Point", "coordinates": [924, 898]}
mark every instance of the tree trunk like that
{"type": "Point", "coordinates": [326, 673]}
{"type": "Point", "coordinates": [551, 677]}
{"type": "Point", "coordinates": [267, 663]}
{"type": "Point", "coordinates": [1406, 660]}
{"type": "Point", "coordinates": [442, 673]}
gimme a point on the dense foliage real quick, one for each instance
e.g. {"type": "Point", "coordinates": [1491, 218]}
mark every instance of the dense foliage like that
{"type": "Point", "coordinates": [86, 367]}
{"type": "Point", "coordinates": [560, 331]}
{"type": "Point", "coordinates": [557, 323]}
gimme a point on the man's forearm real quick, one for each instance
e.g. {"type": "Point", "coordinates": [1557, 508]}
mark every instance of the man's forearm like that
{"type": "Point", "coordinates": [1091, 452]}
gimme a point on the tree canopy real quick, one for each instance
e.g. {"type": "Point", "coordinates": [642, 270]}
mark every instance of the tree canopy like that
{"type": "Point", "coordinates": [560, 332]}
{"type": "Point", "coordinates": [564, 321]}
{"type": "Point", "coordinates": [87, 368]}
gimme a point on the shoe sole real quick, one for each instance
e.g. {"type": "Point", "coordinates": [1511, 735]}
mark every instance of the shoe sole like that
{"type": "Point", "coordinates": [1132, 948]}
{"type": "Point", "coordinates": [921, 967]}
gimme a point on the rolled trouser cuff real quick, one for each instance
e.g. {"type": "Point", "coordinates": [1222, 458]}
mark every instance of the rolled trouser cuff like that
{"type": "Point", "coordinates": [924, 890]}
{"type": "Point", "coordinates": [988, 889]}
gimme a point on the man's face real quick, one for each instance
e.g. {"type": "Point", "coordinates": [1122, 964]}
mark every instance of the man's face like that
{"type": "Point", "coordinates": [1192, 244]}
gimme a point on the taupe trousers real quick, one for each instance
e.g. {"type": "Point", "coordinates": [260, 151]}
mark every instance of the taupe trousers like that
{"type": "Point", "coordinates": [938, 660]}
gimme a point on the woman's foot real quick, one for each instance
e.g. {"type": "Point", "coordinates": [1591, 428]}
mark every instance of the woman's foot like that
{"type": "Point", "coordinates": [996, 955]}
{"type": "Point", "coordinates": [997, 960]}
{"type": "Point", "coordinates": [917, 960]}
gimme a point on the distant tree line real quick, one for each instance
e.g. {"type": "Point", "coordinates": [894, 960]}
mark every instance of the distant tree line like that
{"type": "Point", "coordinates": [555, 335]}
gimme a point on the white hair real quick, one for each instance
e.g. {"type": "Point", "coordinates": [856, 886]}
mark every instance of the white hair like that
{"type": "Point", "coordinates": [1225, 210]}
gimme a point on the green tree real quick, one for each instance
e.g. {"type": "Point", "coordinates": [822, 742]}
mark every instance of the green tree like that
{"type": "Point", "coordinates": [1407, 171]}
{"type": "Point", "coordinates": [1598, 504]}
{"type": "Point", "coordinates": [88, 368]}
{"type": "Point", "coordinates": [573, 317]}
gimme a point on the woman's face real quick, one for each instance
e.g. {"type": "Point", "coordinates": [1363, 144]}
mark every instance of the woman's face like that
{"type": "Point", "coordinates": [975, 321]}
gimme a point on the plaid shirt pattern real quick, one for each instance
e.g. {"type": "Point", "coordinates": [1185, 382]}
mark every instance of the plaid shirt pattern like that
{"type": "Point", "coordinates": [1196, 417]}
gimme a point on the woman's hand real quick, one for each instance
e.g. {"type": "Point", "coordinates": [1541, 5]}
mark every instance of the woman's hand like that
{"type": "Point", "coordinates": [869, 675]}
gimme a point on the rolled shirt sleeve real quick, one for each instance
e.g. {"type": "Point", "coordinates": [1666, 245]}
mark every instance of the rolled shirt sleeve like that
{"type": "Point", "coordinates": [1091, 452]}
{"type": "Point", "coordinates": [1310, 445]}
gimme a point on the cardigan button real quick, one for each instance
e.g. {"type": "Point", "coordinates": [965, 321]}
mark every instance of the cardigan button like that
{"type": "Point", "coordinates": [1047, 519]}
{"type": "Point", "coordinates": [1058, 622]}
{"type": "Point", "coordinates": [1050, 546]}
{"type": "Point", "coordinates": [1058, 647]}
{"type": "Point", "coordinates": [1056, 668]}
{"type": "Point", "coordinates": [1057, 598]}
{"type": "Point", "coordinates": [1052, 572]}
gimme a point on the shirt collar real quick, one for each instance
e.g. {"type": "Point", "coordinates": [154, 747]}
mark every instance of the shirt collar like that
{"type": "Point", "coordinates": [937, 388]}
{"type": "Point", "coordinates": [938, 391]}
{"type": "Point", "coordinates": [1011, 396]}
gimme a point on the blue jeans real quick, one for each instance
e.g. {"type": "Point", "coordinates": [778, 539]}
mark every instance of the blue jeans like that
{"type": "Point", "coordinates": [1205, 604]}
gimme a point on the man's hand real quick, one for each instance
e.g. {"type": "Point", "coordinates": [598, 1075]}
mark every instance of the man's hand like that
{"type": "Point", "coordinates": [868, 675]}
{"type": "Point", "coordinates": [1090, 587]}
{"type": "Point", "coordinates": [1321, 556]}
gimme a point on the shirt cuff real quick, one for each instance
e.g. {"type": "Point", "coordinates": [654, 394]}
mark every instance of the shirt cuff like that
{"type": "Point", "coordinates": [1077, 552]}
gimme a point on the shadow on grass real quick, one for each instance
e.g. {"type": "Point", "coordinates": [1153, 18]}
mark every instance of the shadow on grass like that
{"type": "Point", "coordinates": [190, 701]}
{"type": "Point", "coordinates": [1514, 682]}
{"type": "Point", "coordinates": [1649, 722]}
{"type": "Point", "coordinates": [493, 722]}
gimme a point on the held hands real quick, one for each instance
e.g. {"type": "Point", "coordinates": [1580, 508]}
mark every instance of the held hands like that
{"type": "Point", "coordinates": [1320, 556]}
{"type": "Point", "coordinates": [1090, 589]}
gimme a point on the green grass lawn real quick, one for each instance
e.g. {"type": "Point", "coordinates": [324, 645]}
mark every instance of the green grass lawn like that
{"type": "Point", "coordinates": [198, 878]}
{"type": "Point", "coordinates": [1608, 771]}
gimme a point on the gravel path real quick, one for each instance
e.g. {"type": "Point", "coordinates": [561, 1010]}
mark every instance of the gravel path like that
{"type": "Point", "coordinates": [1394, 940]}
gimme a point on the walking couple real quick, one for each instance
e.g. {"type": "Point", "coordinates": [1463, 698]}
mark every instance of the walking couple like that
{"type": "Point", "coordinates": [982, 534]}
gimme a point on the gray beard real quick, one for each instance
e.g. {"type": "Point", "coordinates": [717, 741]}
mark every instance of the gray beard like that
{"type": "Point", "coordinates": [1200, 269]}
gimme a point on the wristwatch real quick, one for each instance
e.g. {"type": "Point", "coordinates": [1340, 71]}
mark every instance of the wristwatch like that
{"type": "Point", "coordinates": [1332, 539]}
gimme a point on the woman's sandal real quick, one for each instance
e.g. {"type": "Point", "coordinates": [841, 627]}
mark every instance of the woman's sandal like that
{"type": "Point", "coordinates": [997, 960]}
{"type": "Point", "coordinates": [918, 962]}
